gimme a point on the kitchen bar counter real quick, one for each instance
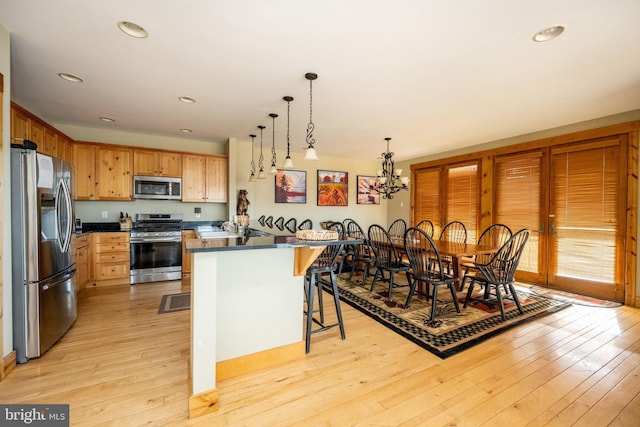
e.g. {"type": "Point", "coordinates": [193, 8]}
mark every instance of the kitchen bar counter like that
{"type": "Point", "coordinates": [247, 296]}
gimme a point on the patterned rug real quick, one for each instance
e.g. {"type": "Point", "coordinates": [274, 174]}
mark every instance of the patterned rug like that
{"type": "Point", "coordinates": [451, 332]}
{"type": "Point", "coordinates": [175, 302]}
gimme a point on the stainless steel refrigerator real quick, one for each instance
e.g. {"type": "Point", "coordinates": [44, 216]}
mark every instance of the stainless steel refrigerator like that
{"type": "Point", "coordinates": [44, 298]}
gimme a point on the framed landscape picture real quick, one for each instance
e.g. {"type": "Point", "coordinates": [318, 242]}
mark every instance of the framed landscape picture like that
{"type": "Point", "coordinates": [333, 188]}
{"type": "Point", "coordinates": [291, 186]}
{"type": "Point", "coordinates": [368, 190]}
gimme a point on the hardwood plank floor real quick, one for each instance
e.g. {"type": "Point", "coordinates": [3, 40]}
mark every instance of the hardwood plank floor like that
{"type": "Point", "coordinates": [123, 364]}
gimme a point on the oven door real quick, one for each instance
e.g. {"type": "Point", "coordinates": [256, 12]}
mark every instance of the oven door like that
{"type": "Point", "coordinates": [155, 261]}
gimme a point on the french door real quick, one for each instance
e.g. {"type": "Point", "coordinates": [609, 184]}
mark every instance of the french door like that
{"type": "Point", "coordinates": [447, 193]}
{"type": "Point", "coordinates": [521, 202]}
{"type": "Point", "coordinates": [572, 199]}
{"type": "Point", "coordinates": [587, 218]}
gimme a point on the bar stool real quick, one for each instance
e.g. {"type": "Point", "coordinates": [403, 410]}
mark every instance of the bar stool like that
{"type": "Point", "coordinates": [325, 263]}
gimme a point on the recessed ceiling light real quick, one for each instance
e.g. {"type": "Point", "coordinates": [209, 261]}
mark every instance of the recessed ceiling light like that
{"type": "Point", "coordinates": [548, 33]}
{"type": "Point", "coordinates": [134, 30]}
{"type": "Point", "coordinates": [185, 130]}
{"type": "Point", "coordinates": [107, 119]}
{"type": "Point", "coordinates": [187, 99]}
{"type": "Point", "coordinates": [70, 77]}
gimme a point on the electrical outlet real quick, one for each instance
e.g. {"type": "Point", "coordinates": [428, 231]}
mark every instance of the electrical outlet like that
{"type": "Point", "coordinates": [197, 211]}
{"type": "Point", "coordinates": [104, 214]}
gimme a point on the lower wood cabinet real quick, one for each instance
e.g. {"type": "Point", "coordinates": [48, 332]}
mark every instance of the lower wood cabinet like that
{"type": "Point", "coordinates": [82, 252]}
{"type": "Point", "coordinates": [186, 258]}
{"type": "Point", "coordinates": [111, 258]}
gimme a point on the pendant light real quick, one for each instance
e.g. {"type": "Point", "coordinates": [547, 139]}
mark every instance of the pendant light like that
{"type": "Point", "coordinates": [261, 174]}
{"type": "Point", "coordinates": [252, 177]}
{"type": "Point", "coordinates": [288, 163]}
{"type": "Point", "coordinates": [274, 169]}
{"type": "Point", "coordinates": [311, 152]}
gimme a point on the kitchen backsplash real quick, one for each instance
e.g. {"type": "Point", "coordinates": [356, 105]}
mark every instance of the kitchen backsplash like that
{"type": "Point", "coordinates": [92, 211]}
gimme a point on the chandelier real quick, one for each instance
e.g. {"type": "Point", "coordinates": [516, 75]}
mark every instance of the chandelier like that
{"type": "Point", "coordinates": [389, 179]}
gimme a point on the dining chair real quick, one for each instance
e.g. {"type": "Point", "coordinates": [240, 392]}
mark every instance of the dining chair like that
{"type": "Point", "coordinates": [426, 268]}
{"type": "Point", "coordinates": [362, 253]}
{"type": "Point", "coordinates": [342, 256]}
{"type": "Point", "coordinates": [386, 258]}
{"type": "Point", "coordinates": [346, 222]}
{"type": "Point", "coordinates": [397, 228]}
{"type": "Point", "coordinates": [279, 223]}
{"type": "Point", "coordinates": [325, 263]}
{"type": "Point", "coordinates": [269, 221]}
{"type": "Point", "coordinates": [454, 231]}
{"type": "Point", "coordinates": [495, 235]}
{"type": "Point", "coordinates": [291, 225]}
{"type": "Point", "coordinates": [499, 272]}
{"type": "Point", "coordinates": [426, 226]}
{"type": "Point", "coordinates": [307, 224]}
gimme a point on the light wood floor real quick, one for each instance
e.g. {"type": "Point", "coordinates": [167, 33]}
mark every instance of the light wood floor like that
{"type": "Point", "coordinates": [123, 364]}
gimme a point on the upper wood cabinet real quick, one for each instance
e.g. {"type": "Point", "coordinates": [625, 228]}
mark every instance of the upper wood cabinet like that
{"type": "Point", "coordinates": [19, 125]}
{"type": "Point", "coordinates": [157, 163]}
{"type": "Point", "coordinates": [84, 171]}
{"type": "Point", "coordinates": [24, 125]}
{"type": "Point", "coordinates": [216, 179]}
{"type": "Point", "coordinates": [50, 146]}
{"type": "Point", "coordinates": [102, 172]}
{"type": "Point", "coordinates": [204, 178]}
{"type": "Point", "coordinates": [113, 173]}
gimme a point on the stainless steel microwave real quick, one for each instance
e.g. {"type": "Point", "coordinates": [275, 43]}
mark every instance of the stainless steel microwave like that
{"type": "Point", "coordinates": [157, 187]}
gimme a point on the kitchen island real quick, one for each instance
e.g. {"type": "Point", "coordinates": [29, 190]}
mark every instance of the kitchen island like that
{"type": "Point", "coordinates": [247, 296]}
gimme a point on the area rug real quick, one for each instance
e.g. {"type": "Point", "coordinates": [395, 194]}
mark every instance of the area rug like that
{"type": "Point", "coordinates": [175, 302]}
{"type": "Point", "coordinates": [452, 332]}
{"type": "Point", "coordinates": [573, 298]}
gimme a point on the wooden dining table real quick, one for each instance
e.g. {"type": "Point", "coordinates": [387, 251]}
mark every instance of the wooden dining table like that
{"type": "Point", "coordinates": [455, 250]}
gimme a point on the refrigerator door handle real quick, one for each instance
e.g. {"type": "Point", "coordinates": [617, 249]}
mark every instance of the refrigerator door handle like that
{"type": "Point", "coordinates": [64, 224]}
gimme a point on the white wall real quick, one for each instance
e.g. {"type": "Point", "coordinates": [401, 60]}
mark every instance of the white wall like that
{"type": "Point", "coordinates": [5, 69]}
{"type": "Point", "coordinates": [261, 194]}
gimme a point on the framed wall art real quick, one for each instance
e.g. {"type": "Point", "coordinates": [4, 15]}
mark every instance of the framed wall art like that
{"type": "Point", "coordinates": [333, 188]}
{"type": "Point", "coordinates": [368, 190]}
{"type": "Point", "coordinates": [291, 186]}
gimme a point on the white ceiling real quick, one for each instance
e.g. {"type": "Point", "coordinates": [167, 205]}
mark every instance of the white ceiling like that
{"type": "Point", "coordinates": [434, 75]}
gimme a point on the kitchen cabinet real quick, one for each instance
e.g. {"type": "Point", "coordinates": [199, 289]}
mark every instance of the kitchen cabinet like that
{"type": "Point", "coordinates": [19, 125]}
{"type": "Point", "coordinates": [65, 148]}
{"type": "Point", "coordinates": [114, 180]}
{"type": "Point", "coordinates": [102, 172]}
{"type": "Point", "coordinates": [204, 178]}
{"type": "Point", "coordinates": [50, 145]}
{"type": "Point", "coordinates": [26, 126]}
{"type": "Point", "coordinates": [36, 134]}
{"type": "Point", "coordinates": [111, 258]}
{"type": "Point", "coordinates": [82, 253]}
{"type": "Point", "coordinates": [157, 163]}
{"type": "Point", "coordinates": [186, 258]}
{"type": "Point", "coordinates": [84, 179]}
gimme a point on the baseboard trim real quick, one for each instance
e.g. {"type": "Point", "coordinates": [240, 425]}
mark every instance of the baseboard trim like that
{"type": "Point", "coordinates": [8, 364]}
{"type": "Point", "coordinates": [264, 359]}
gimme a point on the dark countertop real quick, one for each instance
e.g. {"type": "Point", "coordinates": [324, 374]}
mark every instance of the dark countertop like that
{"type": "Point", "coordinates": [258, 242]}
{"type": "Point", "coordinates": [100, 227]}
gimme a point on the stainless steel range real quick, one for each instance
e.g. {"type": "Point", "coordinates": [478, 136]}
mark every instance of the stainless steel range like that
{"type": "Point", "coordinates": [156, 248]}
